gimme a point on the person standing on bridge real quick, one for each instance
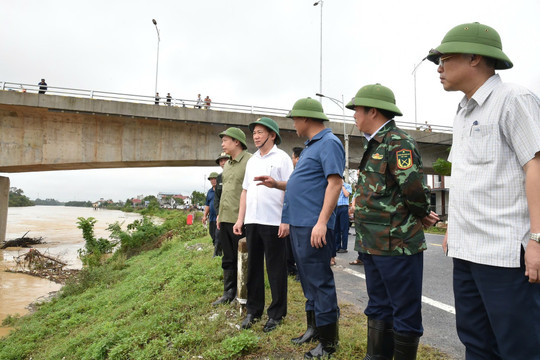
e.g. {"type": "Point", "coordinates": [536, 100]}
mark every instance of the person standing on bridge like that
{"type": "Point", "coordinates": [42, 86]}
{"type": "Point", "coordinates": [310, 198]}
{"type": "Point", "coordinates": [392, 204]}
{"type": "Point", "coordinates": [233, 142]}
{"type": "Point", "coordinates": [494, 211]}
{"type": "Point", "coordinates": [260, 211]}
{"type": "Point", "coordinates": [156, 99]}
{"type": "Point", "coordinates": [169, 99]}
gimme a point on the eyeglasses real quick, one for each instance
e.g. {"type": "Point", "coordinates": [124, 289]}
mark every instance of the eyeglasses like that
{"type": "Point", "coordinates": [443, 59]}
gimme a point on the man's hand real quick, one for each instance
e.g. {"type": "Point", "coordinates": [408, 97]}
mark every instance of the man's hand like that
{"type": "Point", "coordinates": [266, 180]}
{"type": "Point", "coordinates": [430, 219]}
{"type": "Point", "coordinates": [445, 244]}
{"type": "Point", "coordinates": [318, 235]}
{"type": "Point", "coordinates": [237, 228]}
{"type": "Point", "coordinates": [283, 230]}
{"type": "Point", "coordinates": [218, 224]}
{"type": "Point", "coordinates": [532, 261]}
{"type": "Point", "coordinates": [204, 219]}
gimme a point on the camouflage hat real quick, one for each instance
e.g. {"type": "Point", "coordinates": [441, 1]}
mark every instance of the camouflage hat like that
{"type": "Point", "coordinates": [473, 38]}
{"type": "Point", "coordinates": [236, 134]}
{"type": "Point", "coordinates": [308, 108]}
{"type": "Point", "coordinates": [268, 123]}
{"type": "Point", "coordinates": [222, 156]}
{"type": "Point", "coordinates": [375, 96]}
{"type": "Point", "coordinates": [213, 175]}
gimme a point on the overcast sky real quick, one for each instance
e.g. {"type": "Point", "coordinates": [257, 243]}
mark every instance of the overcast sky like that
{"type": "Point", "coordinates": [251, 52]}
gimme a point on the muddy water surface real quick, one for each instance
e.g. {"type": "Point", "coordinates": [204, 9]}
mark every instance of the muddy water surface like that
{"type": "Point", "coordinates": [58, 226]}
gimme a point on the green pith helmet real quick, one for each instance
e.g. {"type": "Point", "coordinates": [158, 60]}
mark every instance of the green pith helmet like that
{"type": "Point", "coordinates": [270, 124]}
{"type": "Point", "coordinates": [473, 38]}
{"type": "Point", "coordinates": [222, 156]}
{"type": "Point", "coordinates": [375, 96]}
{"type": "Point", "coordinates": [308, 108]}
{"type": "Point", "coordinates": [236, 134]}
{"type": "Point", "coordinates": [213, 175]}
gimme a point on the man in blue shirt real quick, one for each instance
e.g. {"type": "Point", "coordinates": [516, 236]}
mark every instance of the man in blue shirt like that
{"type": "Point", "coordinates": [341, 229]}
{"type": "Point", "coordinates": [310, 197]}
{"type": "Point", "coordinates": [209, 210]}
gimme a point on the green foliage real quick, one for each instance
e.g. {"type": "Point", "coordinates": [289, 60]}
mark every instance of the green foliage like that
{"type": "Point", "coordinates": [442, 167]}
{"type": "Point", "coordinates": [18, 199]}
{"type": "Point", "coordinates": [94, 248]}
{"type": "Point", "coordinates": [198, 198]}
{"type": "Point", "coordinates": [79, 203]}
{"type": "Point", "coordinates": [48, 202]}
{"type": "Point", "coordinates": [241, 344]}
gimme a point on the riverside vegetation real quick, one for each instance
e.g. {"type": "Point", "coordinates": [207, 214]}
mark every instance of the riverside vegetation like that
{"type": "Point", "coordinates": [152, 300]}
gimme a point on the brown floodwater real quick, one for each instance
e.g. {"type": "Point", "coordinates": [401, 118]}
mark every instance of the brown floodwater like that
{"type": "Point", "coordinates": [58, 227]}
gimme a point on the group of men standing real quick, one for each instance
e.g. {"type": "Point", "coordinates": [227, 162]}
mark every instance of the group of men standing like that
{"type": "Point", "coordinates": [494, 223]}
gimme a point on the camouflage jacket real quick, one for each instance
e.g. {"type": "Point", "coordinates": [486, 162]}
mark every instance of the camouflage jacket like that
{"type": "Point", "coordinates": [391, 196]}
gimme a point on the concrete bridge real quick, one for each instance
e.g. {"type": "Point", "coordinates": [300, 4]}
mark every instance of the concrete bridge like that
{"type": "Point", "coordinates": [49, 132]}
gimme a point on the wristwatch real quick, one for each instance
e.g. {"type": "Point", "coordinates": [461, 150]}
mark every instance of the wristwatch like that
{"type": "Point", "coordinates": [535, 237]}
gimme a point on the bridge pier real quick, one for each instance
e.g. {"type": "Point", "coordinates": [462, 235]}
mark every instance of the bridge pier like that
{"type": "Point", "coordinates": [4, 201]}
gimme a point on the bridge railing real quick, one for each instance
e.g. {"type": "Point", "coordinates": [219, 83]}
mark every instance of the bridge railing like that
{"type": "Point", "coordinates": [178, 102]}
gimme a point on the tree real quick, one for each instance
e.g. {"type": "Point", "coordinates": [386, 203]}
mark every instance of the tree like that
{"type": "Point", "coordinates": [442, 167]}
{"type": "Point", "coordinates": [198, 198]}
{"type": "Point", "coordinates": [18, 199]}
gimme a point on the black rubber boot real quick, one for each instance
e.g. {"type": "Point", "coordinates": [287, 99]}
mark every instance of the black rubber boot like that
{"type": "Point", "coordinates": [311, 333]}
{"type": "Point", "coordinates": [229, 288]}
{"type": "Point", "coordinates": [405, 346]}
{"type": "Point", "coordinates": [328, 342]}
{"type": "Point", "coordinates": [380, 340]}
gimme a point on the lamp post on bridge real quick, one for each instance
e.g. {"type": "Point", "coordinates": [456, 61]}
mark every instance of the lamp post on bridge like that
{"type": "Point", "coordinates": [157, 61]}
{"type": "Point", "coordinates": [320, 59]}
{"type": "Point", "coordinates": [341, 104]}
{"type": "Point", "coordinates": [414, 76]}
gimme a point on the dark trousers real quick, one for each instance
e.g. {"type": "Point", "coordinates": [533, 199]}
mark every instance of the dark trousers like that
{"type": "Point", "coordinates": [497, 312]}
{"type": "Point", "coordinates": [291, 262]}
{"type": "Point", "coordinates": [341, 228]}
{"type": "Point", "coordinates": [212, 230]}
{"type": "Point", "coordinates": [394, 286]}
{"type": "Point", "coordinates": [316, 276]}
{"type": "Point", "coordinates": [229, 244]}
{"type": "Point", "coordinates": [263, 244]}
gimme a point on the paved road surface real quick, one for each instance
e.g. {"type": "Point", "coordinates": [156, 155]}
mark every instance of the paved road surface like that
{"type": "Point", "coordinates": [438, 299]}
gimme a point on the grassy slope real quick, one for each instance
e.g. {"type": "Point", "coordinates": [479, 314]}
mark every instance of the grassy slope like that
{"type": "Point", "coordinates": [157, 306]}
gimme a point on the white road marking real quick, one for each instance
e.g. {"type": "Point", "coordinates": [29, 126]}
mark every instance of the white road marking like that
{"type": "Point", "coordinates": [425, 299]}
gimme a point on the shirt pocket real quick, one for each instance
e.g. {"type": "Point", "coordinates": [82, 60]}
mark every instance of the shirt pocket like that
{"type": "Point", "coordinates": [482, 144]}
{"type": "Point", "coordinates": [374, 178]}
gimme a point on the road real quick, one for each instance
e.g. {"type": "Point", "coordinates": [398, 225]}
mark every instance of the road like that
{"type": "Point", "coordinates": [438, 299]}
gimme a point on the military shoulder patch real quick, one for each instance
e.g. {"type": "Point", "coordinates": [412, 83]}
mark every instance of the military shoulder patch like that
{"type": "Point", "coordinates": [404, 159]}
{"type": "Point", "coordinates": [377, 156]}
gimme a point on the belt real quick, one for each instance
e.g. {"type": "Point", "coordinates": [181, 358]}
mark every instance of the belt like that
{"type": "Point", "coordinates": [343, 205]}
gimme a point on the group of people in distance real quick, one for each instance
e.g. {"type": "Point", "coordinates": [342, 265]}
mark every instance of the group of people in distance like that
{"type": "Point", "coordinates": [494, 212]}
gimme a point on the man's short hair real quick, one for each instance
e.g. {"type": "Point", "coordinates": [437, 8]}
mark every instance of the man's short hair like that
{"type": "Point", "coordinates": [387, 114]}
{"type": "Point", "coordinates": [297, 151]}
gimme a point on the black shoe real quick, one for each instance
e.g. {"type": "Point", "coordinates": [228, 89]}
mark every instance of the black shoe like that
{"type": "Point", "coordinates": [249, 321]}
{"type": "Point", "coordinates": [222, 300]}
{"type": "Point", "coordinates": [328, 342]}
{"type": "Point", "coordinates": [311, 333]}
{"type": "Point", "coordinates": [342, 251]}
{"type": "Point", "coordinates": [271, 324]}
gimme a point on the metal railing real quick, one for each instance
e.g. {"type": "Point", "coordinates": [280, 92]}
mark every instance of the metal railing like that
{"type": "Point", "coordinates": [178, 102]}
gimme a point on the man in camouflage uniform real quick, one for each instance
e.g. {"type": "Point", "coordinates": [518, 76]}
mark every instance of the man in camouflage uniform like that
{"type": "Point", "coordinates": [392, 205]}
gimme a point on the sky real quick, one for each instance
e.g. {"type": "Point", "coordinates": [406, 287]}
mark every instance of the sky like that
{"type": "Point", "coordinates": [250, 52]}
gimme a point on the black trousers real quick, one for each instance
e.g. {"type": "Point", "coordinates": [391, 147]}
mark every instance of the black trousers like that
{"type": "Point", "coordinates": [212, 231]}
{"type": "Point", "coordinates": [229, 244]}
{"type": "Point", "coordinates": [263, 243]}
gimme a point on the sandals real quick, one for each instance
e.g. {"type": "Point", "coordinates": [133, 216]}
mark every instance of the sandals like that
{"type": "Point", "coordinates": [356, 262]}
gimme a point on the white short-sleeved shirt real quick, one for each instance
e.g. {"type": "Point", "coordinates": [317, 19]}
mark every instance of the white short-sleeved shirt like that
{"type": "Point", "coordinates": [496, 133]}
{"type": "Point", "coordinates": [264, 205]}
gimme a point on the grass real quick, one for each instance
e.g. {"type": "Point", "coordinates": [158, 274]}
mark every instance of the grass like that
{"type": "Point", "coordinates": [157, 305]}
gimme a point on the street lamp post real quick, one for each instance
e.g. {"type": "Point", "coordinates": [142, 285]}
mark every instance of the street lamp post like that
{"type": "Point", "coordinates": [157, 60]}
{"type": "Point", "coordinates": [341, 104]}
{"type": "Point", "coordinates": [320, 59]}
{"type": "Point", "coordinates": [414, 76]}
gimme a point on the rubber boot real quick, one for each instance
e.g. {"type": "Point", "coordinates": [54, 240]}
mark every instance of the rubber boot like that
{"type": "Point", "coordinates": [328, 342]}
{"type": "Point", "coordinates": [405, 346]}
{"type": "Point", "coordinates": [311, 333]}
{"type": "Point", "coordinates": [229, 286]}
{"type": "Point", "coordinates": [380, 340]}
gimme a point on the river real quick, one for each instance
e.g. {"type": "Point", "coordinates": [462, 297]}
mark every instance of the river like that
{"type": "Point", "coordinates": [58, 227]}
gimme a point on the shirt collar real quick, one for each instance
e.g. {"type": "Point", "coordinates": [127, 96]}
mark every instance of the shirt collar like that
{"type": "Point", "coordinates": [318, 136]}
{"type": "Point", "coordinates": [381, 132]}
{"type": "Point", "coordinates": [272, 150]}
{"type": "Point", "coordinates": [239, 157]}
{"type": "Point", "coordinates": [482, 94]}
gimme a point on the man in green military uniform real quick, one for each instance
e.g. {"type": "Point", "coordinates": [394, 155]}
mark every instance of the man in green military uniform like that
{"type": "Point", "coordinates": [392, 205]}
{"type": "Point", "coordinates": [233, 142]}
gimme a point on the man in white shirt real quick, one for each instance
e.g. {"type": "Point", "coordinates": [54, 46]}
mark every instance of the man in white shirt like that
{"type": "Point", "coordinates": [494, 214]}
{"type": "Point", "coordinates": [260, 211]}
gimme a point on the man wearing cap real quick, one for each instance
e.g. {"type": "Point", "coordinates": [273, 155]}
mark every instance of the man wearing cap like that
{"type": "Point", "coordinates": [392, 204]}
{"type": "Point", "coordinates": [260, 211]}
{"type": "Point", "coordinates": [209, 211]}
{"type": "Point", "coordinates": [311, 196]}
{"type": "Point", "coordinates": [221, 161]}
{"type": "Point", "coordinates": [233, 142]}
{"type": "Point", "coordinates": [494, 211]}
